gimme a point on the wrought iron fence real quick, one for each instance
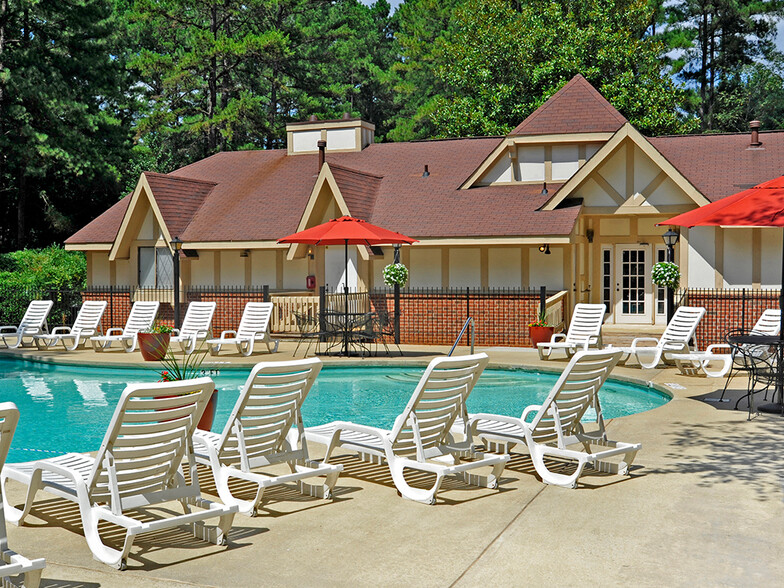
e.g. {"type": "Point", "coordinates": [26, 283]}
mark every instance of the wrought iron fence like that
{"type": "Point", "coordinates": [727, 309]}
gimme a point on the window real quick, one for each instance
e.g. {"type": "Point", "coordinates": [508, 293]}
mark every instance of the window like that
{"type": "Point", "coordinates": [661, 292]}
{"type": "Point", "coordinates": [156, 267]}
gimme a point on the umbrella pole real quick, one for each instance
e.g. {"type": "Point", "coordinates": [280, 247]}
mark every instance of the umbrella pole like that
{"type": "Point", "coordinates": [345, 290]}
{"type": "Point", "coordinates": [780, 354]}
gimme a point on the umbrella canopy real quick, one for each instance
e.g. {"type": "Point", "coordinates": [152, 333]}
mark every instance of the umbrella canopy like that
{"type": "Point", "coordinates": [760, 206]}
{"type": "Point", "coordinates": [347, 230]}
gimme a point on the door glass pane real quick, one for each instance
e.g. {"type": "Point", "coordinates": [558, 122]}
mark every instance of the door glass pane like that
{"type": "Point", "coordinates": [147, 267]}
{"type": "Point", "coordinates": [165, 270]}
{"type": "Point", "coordinates": [633, 281]}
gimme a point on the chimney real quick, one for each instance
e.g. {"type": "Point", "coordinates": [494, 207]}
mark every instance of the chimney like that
{"type": "Point", "coordinates": [322, 147]}
{"type": "Point", "coordinates": [755, 125]}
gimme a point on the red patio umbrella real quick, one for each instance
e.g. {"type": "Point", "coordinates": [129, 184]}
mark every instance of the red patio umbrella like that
{"type": "Point", "coordinates": [347, 230]}
{"type": "Point", "coordinates": [760, 206]}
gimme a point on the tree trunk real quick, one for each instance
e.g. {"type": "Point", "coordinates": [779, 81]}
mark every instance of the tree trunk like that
{"type": "Point", "coordinates": [212, 135]}
{"type": "Point", "coordinates": [703, 33]}
{"type": "Point", "coordinates": [21, 199]}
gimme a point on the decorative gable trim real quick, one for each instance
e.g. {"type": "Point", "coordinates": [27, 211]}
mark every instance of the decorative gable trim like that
{"type": "Point", "coordinates": [123, 236]}
{"type": "Point", "coordinates": [591, 167]}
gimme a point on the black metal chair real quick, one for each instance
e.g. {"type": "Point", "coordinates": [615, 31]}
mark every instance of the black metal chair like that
{"type": "Point", "coordinates": [384, 327]}
{"type": "Point", "coordinates": [759, 362]}
{"type": "Point", "coordinates": [742, 357]}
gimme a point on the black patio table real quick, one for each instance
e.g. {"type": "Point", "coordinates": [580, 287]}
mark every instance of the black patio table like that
{"type": "Point", "coordinates": [353, 333]}
{"type": "Point", "coordinates": [773, 341]}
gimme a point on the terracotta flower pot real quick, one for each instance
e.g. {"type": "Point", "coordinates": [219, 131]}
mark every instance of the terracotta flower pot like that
{"type": "Point", "coordinates": [154, 345]}
{"type": "Point", "coordinates": [540, 334]}
{"type": "Point", "coordinates": [205, 422]}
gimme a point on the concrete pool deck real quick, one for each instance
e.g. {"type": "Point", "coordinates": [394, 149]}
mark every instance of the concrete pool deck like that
{"type": "Point", "coordinates": [704, 505]}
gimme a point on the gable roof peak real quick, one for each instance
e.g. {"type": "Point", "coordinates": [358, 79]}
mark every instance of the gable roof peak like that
{"type": "Point", "coordinates": [576, 108]}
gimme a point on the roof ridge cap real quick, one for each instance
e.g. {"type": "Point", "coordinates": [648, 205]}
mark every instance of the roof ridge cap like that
{"type": "Point", "coordinates": [356, 171]}
{"type": "Point", "coordinates": [179, 178]}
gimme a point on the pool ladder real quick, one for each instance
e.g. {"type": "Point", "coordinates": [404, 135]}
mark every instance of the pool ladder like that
{"type": "Point", "coordinates": [469, 322]}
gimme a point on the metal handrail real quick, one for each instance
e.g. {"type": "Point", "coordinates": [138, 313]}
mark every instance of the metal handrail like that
{"type": "Point", "coordinates": [469, 321]}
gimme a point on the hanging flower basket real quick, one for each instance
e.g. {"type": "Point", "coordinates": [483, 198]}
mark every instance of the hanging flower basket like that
{"type": "Point", "coordinates": [666, 274]}
{"type": "Point", "coordinates": [395, 274]}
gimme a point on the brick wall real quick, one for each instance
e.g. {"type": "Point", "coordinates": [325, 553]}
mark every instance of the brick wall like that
{"type": "Point", "coordinates": [727, 310]}
{"type": "Point", "coordinates": [436, 319]}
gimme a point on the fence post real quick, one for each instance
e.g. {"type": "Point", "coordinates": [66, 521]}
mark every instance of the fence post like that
{"type": "Point", "coordinates": [322, 310]}
{"type": "Point", "coordinates": [111, 306]}
{"type": "Point", "coordinates": [542, 299]}
{"type": "Point", "coordinates": [397, 314]}
{"type": "Point", "coordinates": [468, 301]}
{"type": "Point", "coordinates": [265, 295]}
{"type": "Point", "coordinates": [743, 309]}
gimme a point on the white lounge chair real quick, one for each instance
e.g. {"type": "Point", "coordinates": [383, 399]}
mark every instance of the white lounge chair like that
{"type": "Point", "coordinates": [254, 327]}
{"type": "Point", "coordinates": [86, 325]}
{"type": "Point", "coordinates": [142, 317]}
{"type": "Point", "coordinates": [260, 433]}
{"type": "Point", "coordinates": [585, 330]}
{"type": "Point", "coordinates": [196, 326]}
{"type": "Point", "coordinates": [677, 338]}
{"type": "Point", "coordinates": [716, 364]}
{"type": "Point", "coordinates": [12, 563]}
{"type": "Point", "coordinates": [420, 438]}
{"type": "Point", "coordinates": [138, 465]}
{"type": "Point", "coordinates": [33, 323]}
{"type": "Point", "coordinates": [557, 424]}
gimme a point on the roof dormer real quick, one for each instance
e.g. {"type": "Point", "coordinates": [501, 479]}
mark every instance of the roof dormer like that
{"type": "Point", "coordinates": [345, 134]}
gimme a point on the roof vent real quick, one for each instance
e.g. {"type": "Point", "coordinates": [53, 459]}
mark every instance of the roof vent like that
{"type": "Point", "coordinates": [755, 126]}
{"type": "Point", "coordinates": [426, 173]}
{"type": "Point", "coordinates": [544, 193]}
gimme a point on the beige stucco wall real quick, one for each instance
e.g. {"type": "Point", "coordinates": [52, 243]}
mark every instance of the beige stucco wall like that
{"type": "Point", "coordinates": [98, 264]}
{"type": "Point", "coordinates": [702, 257]}
{"type": "Point", "coordinates": [504, 267]}
{"type": "Point", "coordinates": [232, 268]}
{"type": "Point", "coordinates": [738, 265]}
{"type": "Point", "coordinates": [425, 267]}
{"type": "Point", "coordinates": [263, 268]}
{"type": "Point", "coordinates": [464, 267]}
{"type": "Point", "coordinates": [203, 269]}
{"type": "Point", "coordinates": [546, 270]}
{"type": "Point", "coordinates": [294, 273]}
{"type": "Point", "coordinates": [771, 258]}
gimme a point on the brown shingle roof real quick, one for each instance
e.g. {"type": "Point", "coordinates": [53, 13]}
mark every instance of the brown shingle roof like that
{"type": "Point", "coordinates": [359, 189]}
{"type": "Point", "coordinates": [721, 165]}
{"type": "Point", "coordinates": [575, 108]}
{"type": "Point", "coordinates": [178, 199]}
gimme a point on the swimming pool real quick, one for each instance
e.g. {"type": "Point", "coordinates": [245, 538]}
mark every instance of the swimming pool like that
{"type": "Point", "coordinates": [68, 408]}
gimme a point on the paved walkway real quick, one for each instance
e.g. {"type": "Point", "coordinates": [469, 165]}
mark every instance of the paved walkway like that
{"type": "Point", "coordinates": [704, 506]}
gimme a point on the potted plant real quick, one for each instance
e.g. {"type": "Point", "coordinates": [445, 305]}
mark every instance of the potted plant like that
{"type": "Point", "coordinates": [187, 368]}
{"type": "Point", "coordinates": [154, 342]}
{"type": "Point", "coordinates": [539, 331]}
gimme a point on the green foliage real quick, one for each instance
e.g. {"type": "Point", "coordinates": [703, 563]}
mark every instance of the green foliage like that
{"type": "Point", "coordinates": [185, 369]}
{"type": "Point", "coordinates": [64, 120]}
{"type": "Point", "coordinates": [504, 63]}
{"type": "Point", "coordinates": [759, 94]}
{"type": "Point", "coordinates": [666, 274]}
{"type": "Point", "coordinates": [53, 267]}
{"type": "Point", "coordinates": [159, 329]}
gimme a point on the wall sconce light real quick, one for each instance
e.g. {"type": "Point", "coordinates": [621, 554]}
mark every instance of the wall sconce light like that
{"type": "Point", "coordinates": [245, 253]}
{"type": "Point", "coordinates": [310, 252]}
{"type": "Point", "coordinates": [545, 248]}
{"type": "Point", "coordinates": [589, 235]}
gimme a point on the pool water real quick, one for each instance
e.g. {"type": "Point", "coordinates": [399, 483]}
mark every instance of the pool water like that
{"type": "Point", "coordinates": [68, 408]}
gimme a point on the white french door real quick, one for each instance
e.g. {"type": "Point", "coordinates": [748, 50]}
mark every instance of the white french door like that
{"type": "Point", "coordinates": [633, 288]}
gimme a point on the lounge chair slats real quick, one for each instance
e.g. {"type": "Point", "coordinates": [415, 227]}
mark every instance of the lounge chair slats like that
{"type": "Point", "coordinates": [585, 330]}
{"type": "Point", "coordinates": [33, 323]}
{"type": "Point", "coordinates": [86, 325]}
{"type": "Point", "coordinates": [677, 338]}
{"type": "Point", "coordinates": [254, 327]}
{"type": "Point", "coordinates": [141, 317]}
{"type": "Point", "coordinates": [137, 465]}
{"type": "Point", "coordinates": [260, 431]}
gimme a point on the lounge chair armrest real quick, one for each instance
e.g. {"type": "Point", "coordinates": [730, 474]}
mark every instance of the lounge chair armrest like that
{"type": "Point", "coordinates": [555, 337]}
{"type": "Point", "coordinates": [349, 426]}
{"type": "Point", "coordinates": [114, 331]}
{"type": "Point", "coordinates": [713, 347]}
{"type": "Point", "coordinates": [54, 468]}
{"type": "Point", "coordinates": [638, 340]}
{"type": "Point", "coordinates": [175, 332]}
{"type": "Point", "coordinates": [9, 328]}
{"type": "Point", "coordinates": [529, 409]}
{"type": "Point", "coordinates": [61, 331]}
{"type": "Point", "coordinates": [225, 333]}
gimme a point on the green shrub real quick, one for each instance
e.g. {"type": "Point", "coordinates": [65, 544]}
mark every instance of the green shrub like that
{"type": "Point", "coordinates": [53, 267]}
